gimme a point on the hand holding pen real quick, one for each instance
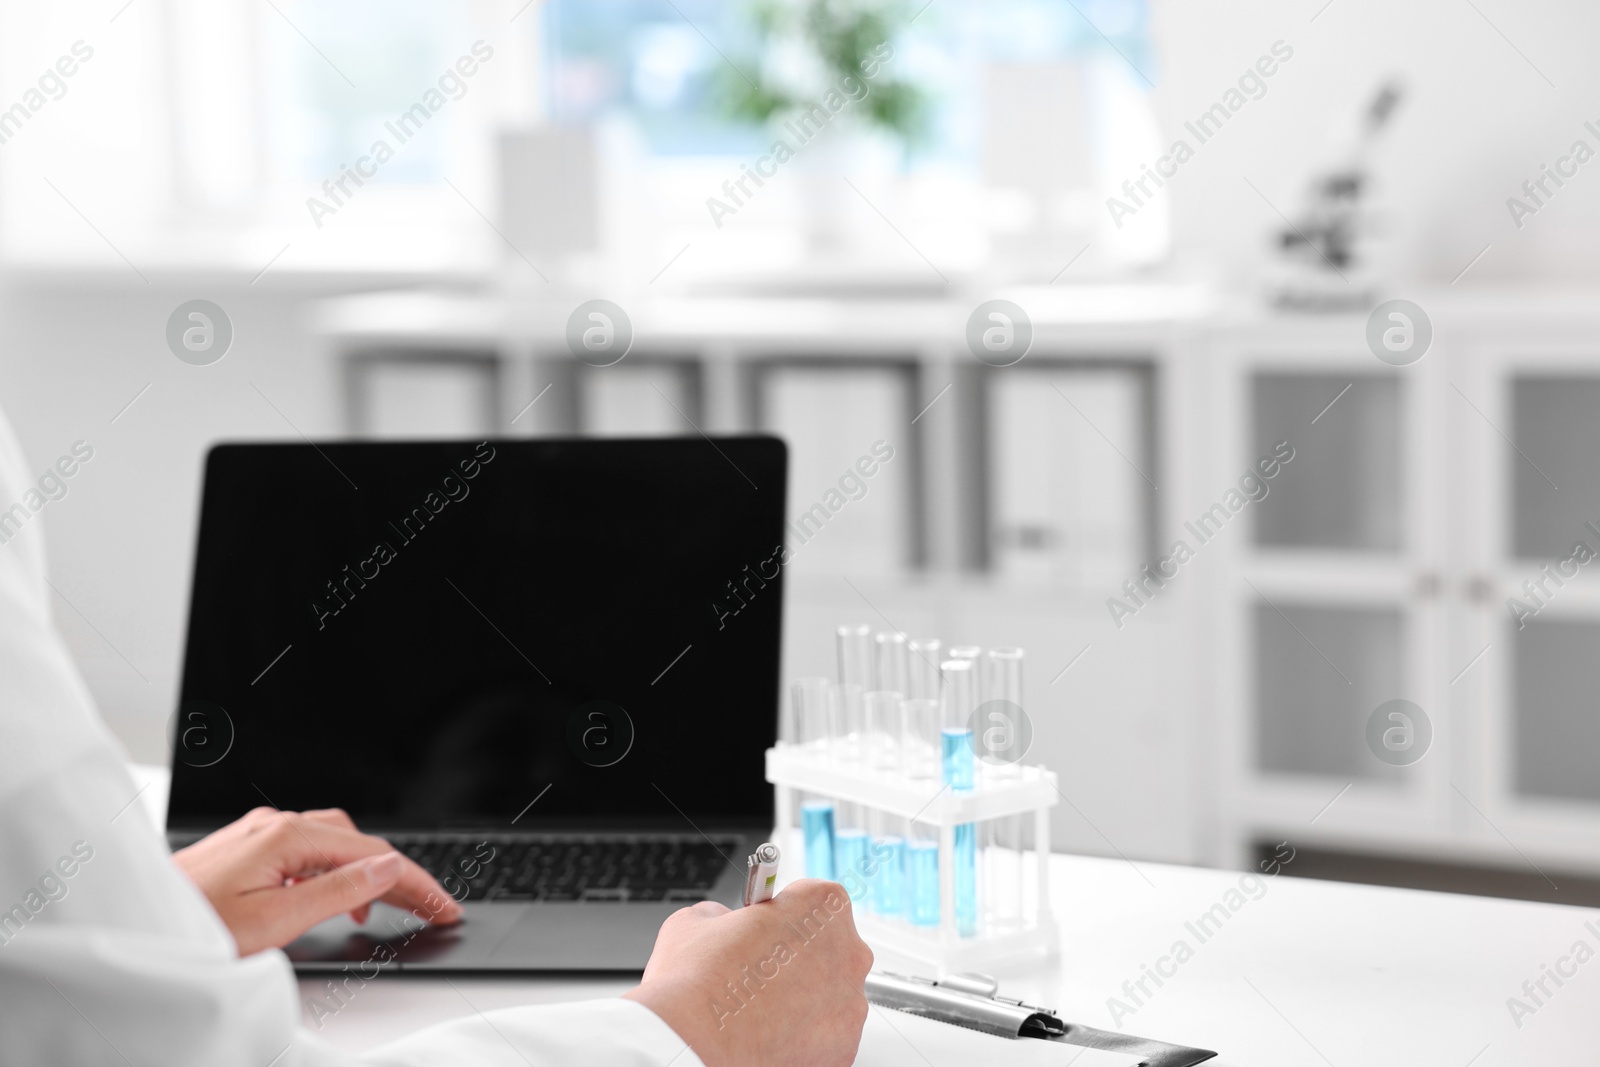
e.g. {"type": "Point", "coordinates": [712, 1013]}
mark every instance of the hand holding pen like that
{"type": "Point", "coordinates": [780, 985]}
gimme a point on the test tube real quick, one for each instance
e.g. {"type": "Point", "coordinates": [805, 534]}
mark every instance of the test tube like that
{"type": "Point", "coordinates": [894, 663]}
{"type": "Point", "coordinates": [1002, 739]}
{"type": "Point", "coordinates": [1003, 879]}
{"type": "Point", "coordinates": [889, 858]}
{"type": "Point", "coordinates": [852, 711]}
{"type": "Point", "coordinates": [813, 713]}
{"type": "Point", "coordinates": [850, 853]}
{"type": "Point", "coordinates": [958, 701]}
{"type": "Point", "coordinates": [922, 875]}
{"type": "Point", "coordinates": [855, 655]}
{"type": "Point", "coordinates": [919, 738]}
{"type": "Point", "coordinates": [855, 649]}
{"type": "Point", "coordinates": [919, 758]}
{"type": "Point", "coordinates": [958, 695]}
{"type": "Point", "coordinates": [882, 736]}
{"type": "Point", "coordinates": [1004, 838]}
{"type": "Point", "coordinates": [923, 659]}
{"type": "Point", "coordinates": [972, 652]}
{"type": "Point", "coordinates": [1003, 674]}
{"type": "Point", "coordinates": [813, 718]}
{"type": "Point", "coordinates": [816, 827]}
{"type": "Point", "coordinates": [885, 865]}
{"type": "Point", "coordinates": [966, 879]}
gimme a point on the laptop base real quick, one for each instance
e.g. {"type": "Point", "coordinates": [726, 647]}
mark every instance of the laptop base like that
{"type": "Point", "coordinates": [506, 937]}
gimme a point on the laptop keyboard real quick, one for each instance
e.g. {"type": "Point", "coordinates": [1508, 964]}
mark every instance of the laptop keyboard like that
{"type": "Point", "coordinates": [568, 868]}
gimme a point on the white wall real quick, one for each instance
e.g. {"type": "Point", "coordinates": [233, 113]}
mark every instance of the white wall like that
{"type": "Point", "coordinates": [1477, 121]}
{"type": "Point", "coordinates": [74, 349]}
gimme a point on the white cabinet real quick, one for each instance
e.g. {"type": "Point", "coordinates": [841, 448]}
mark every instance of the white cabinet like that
{"type": "Point", "coordinates": [1238, 705]}
{"type": "Point", "coordinates": [1378, 568]}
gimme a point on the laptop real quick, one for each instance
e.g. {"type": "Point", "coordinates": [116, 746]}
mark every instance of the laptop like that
{"type": "Point", "coordinates": [546, 670]}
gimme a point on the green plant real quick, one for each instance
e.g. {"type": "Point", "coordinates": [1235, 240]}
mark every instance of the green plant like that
{"type": "Point", "coordinates": [838, 39]}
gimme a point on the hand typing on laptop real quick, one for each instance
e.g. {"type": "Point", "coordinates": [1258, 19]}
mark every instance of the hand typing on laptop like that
{"type": "Point", "coordinates": [135, 967]}
{"type": "Point", "coordinates": [272, 875]}
{"type": "Point", "coordinates": [777, 984]}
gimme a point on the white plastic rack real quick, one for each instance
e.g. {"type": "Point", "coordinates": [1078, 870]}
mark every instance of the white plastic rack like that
{"type": "Point", "coordinates": [1031, 935]}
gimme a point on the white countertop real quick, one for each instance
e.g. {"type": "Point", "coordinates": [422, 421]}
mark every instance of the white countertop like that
{"type": "Point", "coordinates": [1301, 972]}
{"type": "Point", "coordinates": [1313, 973]}
{"type": "Point", "coordinates": [1104, 319]}
{"type": "Point", "coordinates": [753, 324]}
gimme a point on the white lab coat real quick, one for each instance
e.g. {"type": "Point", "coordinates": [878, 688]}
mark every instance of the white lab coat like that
{"type": "Point", "coordinates": [122, 961]}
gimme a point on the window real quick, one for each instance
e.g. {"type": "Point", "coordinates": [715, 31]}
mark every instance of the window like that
{"type": "Point", "coordinates": [660, 62]}
{"type": "Point", "coordinates": [370, 61]}
{"type": "Point", "coordinates": [226, 119]}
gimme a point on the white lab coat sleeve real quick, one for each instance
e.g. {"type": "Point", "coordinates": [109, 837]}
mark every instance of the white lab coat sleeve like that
{"type": "Point", "coordinates": [613, 1032]}
{"type": "Point", "coordinates": [109, 955]}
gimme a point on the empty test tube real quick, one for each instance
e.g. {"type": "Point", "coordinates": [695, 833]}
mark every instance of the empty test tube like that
{"type": "Point", "coordinates": [1002, 744]}
{"type": "Point", "coordinates": [849, 743]}
{"type": "Point", "coordinates": [881, 738]}
{"type": "Point", "coordinates": [1002, 674]}
{"type": "Point", "coordinates": [966, 879]}
{"type": "Point", "coordinates": [923, 661]}
{"type": "Point", "coordinates": [919, 738]}
{"type": "Point", "coordinates": [855, 649]}
{"type": "Point", "coordinates": [1002, 740]}
{"type": "Point", "coordinates": [1003, 878]}
{"type": "Point", "coordinates": [893, 663]}
{"type": "Point", "coordinates": [812, 701]}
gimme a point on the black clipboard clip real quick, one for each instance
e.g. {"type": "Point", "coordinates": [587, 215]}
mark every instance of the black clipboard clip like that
{"type": "Point", "coordinates": [973, 1001]}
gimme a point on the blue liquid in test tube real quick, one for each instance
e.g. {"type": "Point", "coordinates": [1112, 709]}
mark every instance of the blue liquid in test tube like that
{"type": "Point", "coordinates": [888, 885]}
{"type": "Point", "coordinates": [957, 753]}
{"type": "Point", "coordinates": [956, 745]}
{"type": "Point", "coordinates": [922, 871]}
{"type": "Point", "coordinates": [816, 825]}
{"type": "Point", "coordinates": [850, 861]}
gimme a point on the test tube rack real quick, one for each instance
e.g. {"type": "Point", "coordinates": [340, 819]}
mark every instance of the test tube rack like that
{"type": "Point", "coordinates": [1031, 791]}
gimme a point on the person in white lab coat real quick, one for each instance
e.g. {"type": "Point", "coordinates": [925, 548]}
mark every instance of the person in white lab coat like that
{"type": "Point", "coordinates": [113, 951]}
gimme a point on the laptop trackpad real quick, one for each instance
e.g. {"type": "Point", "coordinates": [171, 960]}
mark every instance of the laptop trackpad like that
{"type": "Point", "coordinates": [584, 936]}
{"type": "Point", "coordinates": [391, 937]}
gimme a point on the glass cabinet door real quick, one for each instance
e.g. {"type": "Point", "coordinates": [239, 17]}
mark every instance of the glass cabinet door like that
{"type": "Point", "coordinates": [1320, 670]}
{"type": "Point", "coordinates": [1345, 492]}
{"type": "Point", "coordinates": [1535, 602]}
{"type": "Point", "coordinates": [1553, 725]}
{"type": "Point", "coordinates": [1333, 588]}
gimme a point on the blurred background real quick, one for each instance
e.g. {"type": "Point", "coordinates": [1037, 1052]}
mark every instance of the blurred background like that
{"type": "Point", "coordinates": [1196, 212]}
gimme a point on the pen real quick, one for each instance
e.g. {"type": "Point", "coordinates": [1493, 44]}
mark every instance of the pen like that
{"type": "Point", "coordinates": [762, 874]}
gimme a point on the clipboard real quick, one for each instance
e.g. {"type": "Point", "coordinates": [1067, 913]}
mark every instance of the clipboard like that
{"type": "Point", "coordinates": [973, 1001]}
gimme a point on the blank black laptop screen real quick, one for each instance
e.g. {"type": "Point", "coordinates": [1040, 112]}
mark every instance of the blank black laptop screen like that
{"type": "Point", "coordinates": [440, 634]}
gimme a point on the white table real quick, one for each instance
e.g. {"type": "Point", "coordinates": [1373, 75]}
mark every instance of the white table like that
{"type": "Point", "coordinates": [1313, 973]}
